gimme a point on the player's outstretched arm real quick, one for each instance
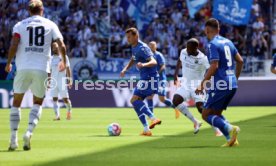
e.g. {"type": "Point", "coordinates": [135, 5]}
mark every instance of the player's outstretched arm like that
{"type": "Point", "coordinates": [130, 63]}
{"type": "Point", "coordinates": [69, 76]}
{"type": "Point", "coordinates": [175, 78]}
{"type": "Point", "coordinates": [151, 62]}
{"type": "Point", "coordinates": [239, 65]}
{"type": "Point", "coordinates": [62, 49]}
{"type": "Point", "coordinates": [211, 72]}
{"type": "Point", "coordinates": [12, 51]}
{"type": "Point", "coordinates": [273, 69]}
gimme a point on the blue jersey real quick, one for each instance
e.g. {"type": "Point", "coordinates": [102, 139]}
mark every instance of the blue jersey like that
{"type": "Point", "coordinates": [160, 61]}
{"type": "Point", "coordinates": [224, 51]}
{"type": "Point", "coordinates": [142, 53]}
{"type": "Point", "coordinates": [274, 61]}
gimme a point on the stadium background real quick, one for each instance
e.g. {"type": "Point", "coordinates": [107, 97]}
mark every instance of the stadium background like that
{"type": "Point", "coordinates": [94, 36]}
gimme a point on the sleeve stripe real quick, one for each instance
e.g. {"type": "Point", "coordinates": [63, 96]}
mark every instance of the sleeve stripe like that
{"type": "Point", "coordinates": [17, 35]}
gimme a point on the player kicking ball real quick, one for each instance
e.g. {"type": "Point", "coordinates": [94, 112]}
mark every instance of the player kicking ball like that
{"type": "Point", "coordinates": [161, 67]}
{"type": "Point", "coordinates": [223, 73]}
{"type": "Point", "coordinates": [194, 65]}
{"type": "Point", "coordinates": [62, 80]}
{"type": "Point", "coordinates": [148, 83]}
{"type": "Point", "coordinates": [31, 44]}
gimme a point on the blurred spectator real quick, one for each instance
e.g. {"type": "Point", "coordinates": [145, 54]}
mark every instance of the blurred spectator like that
{"type": "Point", "coordinates": [77, 51]}
{"type": "Point", "coordinates": [3, 51]}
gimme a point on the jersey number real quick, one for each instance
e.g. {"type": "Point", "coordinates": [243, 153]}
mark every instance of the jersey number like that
{"type": "Point", "coordinates": [36, 35]}
{"type": "Point", "coordinates": [228, 55]}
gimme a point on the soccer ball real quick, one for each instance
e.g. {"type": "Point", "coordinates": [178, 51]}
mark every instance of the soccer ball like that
{"type": "Point", "coordinates": [114, 129]}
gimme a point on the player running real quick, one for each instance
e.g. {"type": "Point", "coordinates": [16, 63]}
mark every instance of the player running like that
{"type": "Point", "coordinates": [273, 65]}
{"type": "Point", "coordinates": [60, 78]}
{"type": "Point", "coordinates": [194, 65]}
{"type": "Point", "coordinates": [161, 68]}
{"type": "Point", "coordinates": [146, 64]}
{"type": "Point", "coordinates": [31, 44]}
{"type": "Point", "coordinates": [223, 74]}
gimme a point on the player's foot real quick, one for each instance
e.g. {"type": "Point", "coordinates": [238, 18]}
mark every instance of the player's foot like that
{"type": "Point", "coordinates": [218, 133]}
{"type": "Point", "coordinates": [27, 142]}
{"type": "Point", "coordinates": [146, 133]}
{"type": "Point", "coordinates": [155, 122]}
{"type": "Point", "coordinates": [68, 117]}
{"type": "Point", "coordinates": [233, 134]}
{"type": "Point", "coordinates": [13, 146]}
{"type": "Point", "coordinates": [56, 118]}
{"type": "Point", "coordinates": [177, 114]}
{"type": "Point", "coordinates": [236, 143]}
{"type": "Point", "coordinates": [197, 126]}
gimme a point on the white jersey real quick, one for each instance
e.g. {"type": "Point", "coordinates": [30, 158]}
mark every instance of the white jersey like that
{"type": "Point", "coordinates": [55, 73]}
{"type": "Point", "coordinates": [36, 35]}
{"type": "Point", "coordinates": [193, 68]}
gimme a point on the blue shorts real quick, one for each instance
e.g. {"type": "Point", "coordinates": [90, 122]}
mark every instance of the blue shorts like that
{"type": "Point", "coordinates": [219, 99]}
{"type": "Point", "coordinates": [145, 88]}
{"type": "Point", "coordinates": [162, 88]}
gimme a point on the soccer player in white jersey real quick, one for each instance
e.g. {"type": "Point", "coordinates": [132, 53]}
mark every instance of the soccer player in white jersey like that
{"type": "Point", "coordinates": [194, 65]}
{"type": "Point", "coordinates": [60, 80]}
{"type": "Point", "coordinates": [31, 44]}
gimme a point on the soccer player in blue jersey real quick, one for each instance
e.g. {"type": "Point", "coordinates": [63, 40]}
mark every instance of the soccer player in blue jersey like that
{"type": "Point", "coordinates": [225, 68]}
{"type": "Point", "coordinates": [148, 83]}
{"type": "Point", "coordinates": [161, 67]}
{"type": "Point", "coordinates": [273, 65]}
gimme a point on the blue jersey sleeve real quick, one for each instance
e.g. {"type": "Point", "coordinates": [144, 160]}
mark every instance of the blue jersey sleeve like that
{"type": "Point", "coordinates": [274, 61]}
{"type": "Point", "coordinates": [213, 52]}
{"type": "Point", "coordinates": [146, 53]}
{"type": "Point", "coordinates": [160, 59]}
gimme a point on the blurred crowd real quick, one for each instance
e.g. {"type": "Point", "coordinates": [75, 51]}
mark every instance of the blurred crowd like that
{"type": "Point", "coordinates": [82, 23]}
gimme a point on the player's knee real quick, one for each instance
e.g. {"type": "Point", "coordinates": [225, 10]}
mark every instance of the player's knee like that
{"type": "Point", "coordinates": [205, 115]}
{"type": "Point", "coordinates": [199, 107]}
{"type": "Point", "coordinates": [65, 100]}
{"type": "Point", "coordinates": [177, 100]}
{"type": "Point", "coordinates": [55, 99]}
{"type": "Point", "coordinates": [162, 99]}
{"type": "Point", "coordinates": [38, 100]}
{"type": "Point", "coordinates": [17, 100]}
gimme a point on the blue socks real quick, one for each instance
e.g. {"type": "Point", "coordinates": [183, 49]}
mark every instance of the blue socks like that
{"type": "Point", "coordinates": [220, 123]}
{"type": "Point", "coordinates": [168, 103]}
{"type": "Point", "coordinates": [150, 104]}
{"type": "Point", "coordinates": [141, 107]}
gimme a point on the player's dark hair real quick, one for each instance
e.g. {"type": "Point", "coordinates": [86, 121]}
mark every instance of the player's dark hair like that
{"type": "Point", "coordinates": [193, 43]}
{"type": "Point", "coordinates": [213, 23]}
{"type": "Point", "coordinates": [133, 31]}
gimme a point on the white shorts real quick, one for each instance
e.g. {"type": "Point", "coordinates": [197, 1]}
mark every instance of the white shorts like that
{"type": "Point", "coordinates": [30, 79]}
{"type": "Point", "coordinates": [189, 93]}
{"type": "Point", "coordinates": [60, 89]}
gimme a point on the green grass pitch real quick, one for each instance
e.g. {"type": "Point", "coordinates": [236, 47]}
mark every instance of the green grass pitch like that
{"type": "Point", "coordinates": [84, 140]}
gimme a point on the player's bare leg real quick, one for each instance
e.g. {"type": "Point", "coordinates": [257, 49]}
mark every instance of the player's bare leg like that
{"type": "Point", "coordinates": [56, 108]}
{"type": "Point", "coordinates": [199, 106]}
{"type": "Point", "coordinates": [68, 105]}
{"type": "Point", "coordinates": [34, 117]}
{"type": "Point", "coordinates": [15, 116]}
{"type": "Point", "coordinates": [179, 105]}
{"type": "Point", "coordinates": [215, 118]}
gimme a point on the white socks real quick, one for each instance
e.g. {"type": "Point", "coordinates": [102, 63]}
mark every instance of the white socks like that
{"type": "Point", "coordinates": [34, 117]}
{"type": "Point", "coordinates": [15, 116]}
{"type": "Point", "coordinates": [56, 108]}
{"type": "Point", "coordinates": [185, 111]}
